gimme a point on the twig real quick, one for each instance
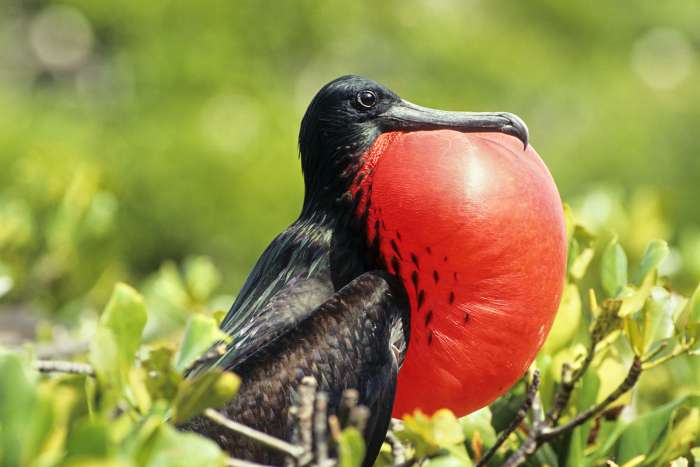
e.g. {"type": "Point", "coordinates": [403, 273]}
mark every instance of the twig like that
{"type": "Point", "coordinates": [57, 366]}
{"type": "Point", "coordinates": [263, 438]}
{"type": "Point", "coordinates": [321, 428]}
{"type": "Point", "coordinates": [678, 351]}
{"type": "Point", "coordinates": [348, 401]}
{"type": "Point", "coordinates": [359, 416]}
{"type": "Point", "coordinates": [233, 462]}
{"type": "Point", "coordinates": [398, 450]}
{"type": "Point", "coordinates": [519, 417]}
{"type": "Point", "coordinates": [307, 394]}
{"type": "Point", "coordinates": [541, 433]}
{"type": "Point", "coordinates": [628, 383]}
{"type": "Point", "coordinates": [569, 380]}
{"type": "Point", "coordinates": [293, 421]}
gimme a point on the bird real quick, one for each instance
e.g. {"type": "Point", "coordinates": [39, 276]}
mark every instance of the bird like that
{"type": "Point", "coordinates": [321, 300]}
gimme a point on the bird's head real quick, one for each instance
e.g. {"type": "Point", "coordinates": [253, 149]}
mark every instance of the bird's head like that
{"type": "Point", "coordinates": [348, 114]}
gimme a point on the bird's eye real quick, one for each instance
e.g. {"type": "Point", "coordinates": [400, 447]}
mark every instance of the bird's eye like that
{"type": "Point", "coordinates": [367, 99]}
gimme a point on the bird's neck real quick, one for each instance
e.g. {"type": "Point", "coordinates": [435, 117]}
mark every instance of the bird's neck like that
{"type": "Point", "coordinates": [343, 208]}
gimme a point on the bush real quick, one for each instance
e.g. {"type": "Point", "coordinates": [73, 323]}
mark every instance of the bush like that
{"type": "Point", "coordinates": [598, 392]}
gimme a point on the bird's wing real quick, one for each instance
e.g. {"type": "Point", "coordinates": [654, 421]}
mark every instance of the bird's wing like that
{"type": "Point", "coordinates": [288, 282]}
{"type": "Point", "coordinates": [283, 312]}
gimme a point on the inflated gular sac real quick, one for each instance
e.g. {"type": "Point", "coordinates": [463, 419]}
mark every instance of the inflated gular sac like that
{"type": "Point", "coordinates": [474, 227]}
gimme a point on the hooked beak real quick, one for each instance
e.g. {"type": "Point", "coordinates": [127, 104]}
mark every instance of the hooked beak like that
{"type": "Point", "coordinates": [406, 116]}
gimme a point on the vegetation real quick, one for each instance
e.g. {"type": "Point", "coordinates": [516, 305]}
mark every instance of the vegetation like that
{"type": "Point", "coordinates": [137, 136]}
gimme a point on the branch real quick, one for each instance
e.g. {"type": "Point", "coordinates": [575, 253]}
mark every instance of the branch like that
{"type": "Point", "coordinates": [56, 366]}
{"type": "Point", "coordinates": [628, 383]}
{"type": "Point", "coordinates": [684, 347]}
{"type": "Point", "coordinates": [321, 428]}
{"type": "Point", "coordinates": [263, 438]}
{"type": "Point", "coordinates": [541, 432]}
{"type": "Point", "coordinates": [519, 417]}
{"type": "Point", "coordinates": [398, 450]}
{"type": "Point", "coordinates": [233, 462]}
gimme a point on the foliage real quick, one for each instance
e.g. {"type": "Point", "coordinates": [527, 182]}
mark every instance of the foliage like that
{"type": "Point", "coordinates": [126, 414]}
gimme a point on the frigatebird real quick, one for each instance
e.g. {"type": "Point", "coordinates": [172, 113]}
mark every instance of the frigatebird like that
{"type": "Point", "coordinates": [321, 300]}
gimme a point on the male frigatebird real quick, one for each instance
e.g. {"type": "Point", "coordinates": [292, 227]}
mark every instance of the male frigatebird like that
{"type": "Point", "coordinates": [321, 300]}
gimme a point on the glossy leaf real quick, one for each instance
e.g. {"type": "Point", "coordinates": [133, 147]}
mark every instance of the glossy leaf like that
{"type": "Point", "coordinates": [213, 388]}
{"type": "Point", "coordinates": [201, 333]}
{"type": "Point", "coordinates": [172, 448]}
{"type": "Point", "coordinates": [655, 253]}
{"type": "Point", "coordinates": [352, 448]}
{"type": "Point", "coordinates": [613, 268]}
{"type": "Point", "coordinates": [118, 336]}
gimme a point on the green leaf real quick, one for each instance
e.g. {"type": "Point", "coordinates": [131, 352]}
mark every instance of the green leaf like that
{"type": "Point", "coordinates": [201, 277]}
{"type": "Point", "coordinates": [171, 448]}
{"type": "Point", "coordinates": [200, 334]}
{"type": "Point", "coordinates": [352, 448]}
{"type": "Point", "coordinates": [656, 252]}
{"type": "Point", "coordinates": [439, 431]}
{"type": "Point", "coordinates": [479, 422]}
{"type": "Point", "coordinates": [88, 439]}
{"type": "Point", "coordinates": [695, 452]}
{"type": "Point", "coordinates": [658, 317]}
{"type": "Point", "coordinates": [633, 299]}
{"type": "Point", "coordinates": [567, 320]}
{"type": "Point", "coordinates": [17, 400]}
{"type": "Point", "coordinates": [644, 433]}
{"type": "Point", "coordinates": [118, 335]}
{"type": "Point", "coordinates": [213, 388]}
{"type": "Point", "coordinates": [161, 378]}
{"type": "Point", "coordinates": [688, 320]}
{"type": "Point", "coordinates": [613, 268]}
{"type": "Point", "coordinates": [580, 263]}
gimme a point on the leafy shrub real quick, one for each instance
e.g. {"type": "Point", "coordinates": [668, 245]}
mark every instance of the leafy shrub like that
{"type": "Point", "coordinates": [117, 402]}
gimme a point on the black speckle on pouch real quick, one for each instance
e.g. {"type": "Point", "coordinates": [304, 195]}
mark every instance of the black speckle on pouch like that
{"type": "Point", "coordinates": [452, 297]}
{"type": "Point", "coordinates": [428, 317]}
{"type": "Point", "coordinates": [396, 265]}
{"type": "Point", "coordinates": [395, 247]}
{"type": "Point", "coordinates": [436, 276]}
{"type": "Point", "coordinates": [430, 337]}
{"type": "Point", "coordinates": [421, 298]}
{"type": "Point", "coordinates": [414, 258]}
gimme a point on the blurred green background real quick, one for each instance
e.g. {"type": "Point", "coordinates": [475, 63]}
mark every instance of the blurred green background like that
{"type": "Point", "coordinates": [133, 132]}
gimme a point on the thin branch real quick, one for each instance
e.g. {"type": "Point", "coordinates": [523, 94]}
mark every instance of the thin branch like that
{"type": "Point", "coordinates": [677, 352]}
{"type": "Point", "coordinates": [57, 366]}
{"type": "Point", "coordinates": [398, 450]}
{"type": "Point", "coordinates": [628, 383]}
{"type": "Point", "coordinates": [321, 428]}
{"type": "Point", "coordinates": [263, 438]}
{"type": "Point", "coordinates": [233, 462]}
{"type": "Point", "coordinates": [540, 433]}
{"type": "Point", "coordinates": [519, 417]}
{"type": "Point", "coordinates": [307, 394]}
{"type": "Point", "coordinates": [568, 382]}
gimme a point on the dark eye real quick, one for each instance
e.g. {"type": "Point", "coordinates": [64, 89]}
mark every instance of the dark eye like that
{"type": "Point", "coordinates": [367, 99]}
